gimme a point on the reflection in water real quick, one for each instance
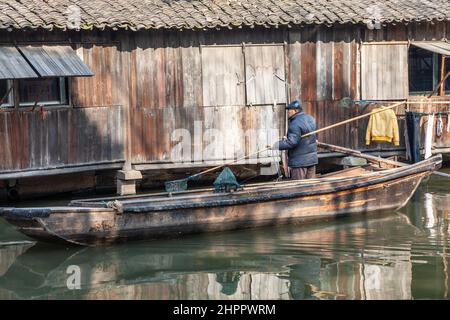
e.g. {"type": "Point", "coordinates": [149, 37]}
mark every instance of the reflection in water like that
{"type": "Point", "coordinates": [399, 255]}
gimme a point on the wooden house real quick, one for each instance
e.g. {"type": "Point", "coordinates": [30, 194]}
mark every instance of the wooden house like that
{"type": "Point", "coordinates": [153, 88]}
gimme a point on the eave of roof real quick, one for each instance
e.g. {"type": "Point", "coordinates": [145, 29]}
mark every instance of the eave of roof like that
{"type": "Point", "coordinates": [212, 14]}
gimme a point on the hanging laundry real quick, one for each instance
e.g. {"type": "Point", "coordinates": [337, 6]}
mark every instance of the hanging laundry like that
{"type": "Point", "coordinates": [439, 126]}
{"type": "Point", "coordinates": [383, 127]}
{"type": "Point", "coordinates": [413, 134]}
{"type": "Point", "coordinates": [408, 148]}
{"type": "Point", "coordinates": [429, 136]}
{"type": "Point", "coordinates": [448, 122]}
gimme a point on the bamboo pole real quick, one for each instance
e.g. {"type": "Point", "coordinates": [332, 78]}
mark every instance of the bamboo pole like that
{"type": "Point", "coordinates": [359, 154]}
{"type": "Point", "coordinates": [370, 158]}
{"type": "Point", "coordinates": [353, 119]}
{"type": "Point", "coordinates": [234, 161]}
{"type": "Point", "coordinates": [415, 102]}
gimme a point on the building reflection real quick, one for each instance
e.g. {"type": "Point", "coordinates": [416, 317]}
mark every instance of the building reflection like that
{"type": "Point", "coordinates": [434, 221]}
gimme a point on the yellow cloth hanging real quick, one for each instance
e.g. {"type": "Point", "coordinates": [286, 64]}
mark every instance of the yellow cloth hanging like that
{"type": "Point", "coordinates": [383, 127]}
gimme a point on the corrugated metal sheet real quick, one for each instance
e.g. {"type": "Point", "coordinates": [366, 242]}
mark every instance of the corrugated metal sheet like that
{"type": "Point", "coordinates": [13, 65]}
{"type": "Point", "coordinates": [440, 47]}
{"type": "Point", "coordinates": [55, 61]}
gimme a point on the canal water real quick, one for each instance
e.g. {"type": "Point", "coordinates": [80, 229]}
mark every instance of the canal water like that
{"type": "Point", "coordinates": [393, 255]}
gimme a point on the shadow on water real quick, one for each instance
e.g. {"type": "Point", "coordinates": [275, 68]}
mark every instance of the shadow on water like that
{"type": "Point", "coordinates": [394, 255]}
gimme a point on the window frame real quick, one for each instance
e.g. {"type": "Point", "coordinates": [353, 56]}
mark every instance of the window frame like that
{"type": "Point", "coordinates": [436, 58]}
{"type": "Point", "coordinates": [10, 101]}
{"type": "Point", "coordinates": [64, 93]}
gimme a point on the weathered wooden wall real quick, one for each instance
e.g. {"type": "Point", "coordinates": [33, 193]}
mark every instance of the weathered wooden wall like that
{"type": "Point", "coordinates": [318, 64]}
{"type": "Point", "coordinates": [71, 136]}
{"type": "Point", "coordinates": [193, 80]}
{"type": "Point", "coordinates": [323, 71]}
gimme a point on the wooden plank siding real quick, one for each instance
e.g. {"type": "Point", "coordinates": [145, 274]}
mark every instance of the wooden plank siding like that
{"type": "Point", "coordinates": [265, 75]}
{"type": "Point", "coordinates": [223, 78]}
{"type": "Point", "coordinates": [62, 137]}
{"type": "Point", "coordinates": [171, 80]}
{"type": "Point", "coordinates": [384, 71]}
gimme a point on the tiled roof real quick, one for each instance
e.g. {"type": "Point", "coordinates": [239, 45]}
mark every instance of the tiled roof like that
{"type": "Point", "coordinates": [204, 14]}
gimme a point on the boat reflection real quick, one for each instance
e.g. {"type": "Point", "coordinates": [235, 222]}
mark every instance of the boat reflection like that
{"type": "Point", "coordinates": [333, 260]}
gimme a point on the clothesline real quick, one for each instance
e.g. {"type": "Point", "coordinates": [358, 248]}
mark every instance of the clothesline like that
{"type": "Point", "coordinates": [359, 102]}
{"type": "Point", "coordinates": [430, 113]}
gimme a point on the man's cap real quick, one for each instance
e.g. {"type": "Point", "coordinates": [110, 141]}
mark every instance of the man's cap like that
{"type": "Point", "coordinates": [295, 105]}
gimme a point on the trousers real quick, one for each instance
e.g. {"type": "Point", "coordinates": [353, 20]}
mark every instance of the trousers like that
{"type": "Point", "coordinates": [303, 173]}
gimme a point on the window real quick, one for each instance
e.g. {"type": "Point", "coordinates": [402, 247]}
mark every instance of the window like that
{"type": "Point", "coordinates": [425, 71]}
{"type": "Point", "coordinates": [422, 70]}
{"type": "Point", "coordinates": [47, 91]}
{"type": "Point", "coordinates": [6, 95]}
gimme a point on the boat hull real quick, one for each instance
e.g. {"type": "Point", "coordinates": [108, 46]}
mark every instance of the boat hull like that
{"type": "Point", "coordinates": [292, 204]}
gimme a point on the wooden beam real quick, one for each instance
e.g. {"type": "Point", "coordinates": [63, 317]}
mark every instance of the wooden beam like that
{"type": "Point", "coordinates": [187, 165]}
{"type": "Point", "coordinates": [442, 91]}
{"type": "Point", "coordinates": [359, 154]}
{"type": "Point", "coordinates": [59, 170]}
{"type": "Point", "coordinates": [371, 158]}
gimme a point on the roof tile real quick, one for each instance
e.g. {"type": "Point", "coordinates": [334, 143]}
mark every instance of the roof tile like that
{"type": "Point", "coordinates": [200, 14]}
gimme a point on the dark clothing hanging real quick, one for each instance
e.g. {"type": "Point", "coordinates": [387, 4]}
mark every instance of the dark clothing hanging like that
{"type": "Point", "coordinates": [413, 127]}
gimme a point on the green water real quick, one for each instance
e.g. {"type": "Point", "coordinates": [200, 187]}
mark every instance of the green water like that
{"type": "Point", "coordinates": [394, 255]}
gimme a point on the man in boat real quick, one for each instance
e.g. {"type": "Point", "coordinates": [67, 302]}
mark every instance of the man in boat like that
{"type": "Point", "coordinates": [302, 152]}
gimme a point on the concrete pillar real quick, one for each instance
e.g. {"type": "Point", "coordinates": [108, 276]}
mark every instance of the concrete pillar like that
{"type": "Point", "coordinates": [126, 181]}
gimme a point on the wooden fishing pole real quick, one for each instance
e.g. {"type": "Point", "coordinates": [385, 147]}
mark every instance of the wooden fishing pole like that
{"type": "Point", "coordinates": [370, 158]}
{"type": "Point", "coordinates": [181, 184]}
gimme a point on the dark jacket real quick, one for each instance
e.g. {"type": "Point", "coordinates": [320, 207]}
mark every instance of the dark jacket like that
{"type": "Point", "coordinates": [302, 151]}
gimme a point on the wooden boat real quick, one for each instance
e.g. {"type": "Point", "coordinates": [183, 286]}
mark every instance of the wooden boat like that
{"type": "Point", "coordinates": [40, 271]}
{"type": "Point", "coordinates": [108, 220]}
